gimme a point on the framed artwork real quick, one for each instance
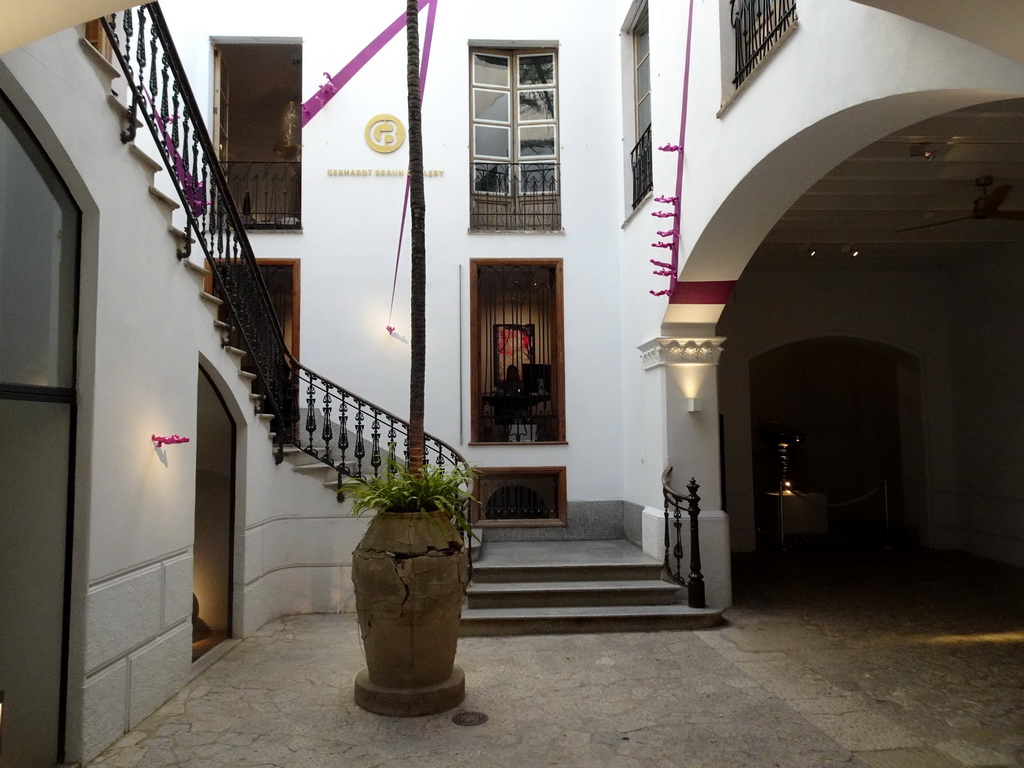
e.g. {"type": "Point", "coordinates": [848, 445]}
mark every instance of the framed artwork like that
{"type": "Point", "coordinates": [513, 345]}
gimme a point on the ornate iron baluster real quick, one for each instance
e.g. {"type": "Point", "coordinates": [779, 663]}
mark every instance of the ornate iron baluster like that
{"type": "Point", "coordinates": [375, 458]}
{"type": "Point", "coordinates": [310, 415]}
{"type": "Point", "coordinates": [392, 433]}
{"type": "Point", "coordinates": [343, 432]}
{"type": "Point", "coordinates": [327, 434]}
{"type": "Point", "coordinates": [672, 500]}
{"type": "Point", "coordinates": [360, 449]}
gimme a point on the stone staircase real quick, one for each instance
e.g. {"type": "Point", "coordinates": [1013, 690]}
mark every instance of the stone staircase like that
{"type": "Point", "coordinates": [563, 587]}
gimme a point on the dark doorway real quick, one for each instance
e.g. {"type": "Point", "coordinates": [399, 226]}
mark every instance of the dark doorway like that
{"type": "Point", "coordinates": [856, 408]}
{"type": "Point", "coordinates": [214, 524]}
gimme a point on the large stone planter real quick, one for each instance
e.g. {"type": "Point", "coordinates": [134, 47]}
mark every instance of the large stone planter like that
{"type": "Point", "coordinates": [410, 576]}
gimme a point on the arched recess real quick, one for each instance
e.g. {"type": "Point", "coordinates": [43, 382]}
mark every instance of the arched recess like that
{"type": "Point", "coordinates": [726, 242]}
{"type": "Point", "coordinates": [860, 467]}
{"type": "Point", "coordinates": [895, 384]}
{"type": "Point", "coordinates": [213, 549]}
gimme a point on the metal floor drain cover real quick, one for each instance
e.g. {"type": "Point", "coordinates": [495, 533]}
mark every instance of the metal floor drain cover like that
{"type": "Point", "coordinates": [469, 718]}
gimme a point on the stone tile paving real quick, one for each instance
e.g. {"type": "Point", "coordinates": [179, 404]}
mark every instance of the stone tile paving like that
{"type": "Point", "coordinates": [930, 643]}
{"type": "Point", "coordinates": [824, 663]}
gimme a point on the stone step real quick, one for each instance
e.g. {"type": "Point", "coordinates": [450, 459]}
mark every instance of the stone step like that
{"type": "Point", "coordinates": [168, 203]}
{"type": "Point", "coordinates": [485, 573]}
{"type": "Point", "coordinates": [180, 235]}
{"type": "Point", "coordinates": [315, 468]}
{"type": "Point", "coordinates": [107, 70]}
{"type": "Point", "coordinates": [209, 298]}
{"type": "Point", "coordinates": [571, 593]}
{"type": "Point", "coordinates": [140, 154]}
{"type": "Point", "coordinates": [195, 269]}
{"type": "Point", "coordinates": [482, 622]}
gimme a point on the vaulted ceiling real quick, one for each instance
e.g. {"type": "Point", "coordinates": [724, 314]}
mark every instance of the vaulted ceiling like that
{"type": "Point", "coordinates": [921, 175]}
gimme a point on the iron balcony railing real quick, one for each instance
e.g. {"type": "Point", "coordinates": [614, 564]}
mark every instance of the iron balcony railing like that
{"type": "Point", "coordinates": [313, 413]}
{"type": "Point", "coordinates": [514, 196]}
{"type": "Point", "coordinates": [269, 195]}
{"type": "Point", "coordinates": [757, 26]}
{"type": "Point", "coordinates": [641, 161]}
{"type": "Point", "coordinates": [676, 504]}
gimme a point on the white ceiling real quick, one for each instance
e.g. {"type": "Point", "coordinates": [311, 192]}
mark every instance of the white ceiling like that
{"type": "Point", "coordinates": [22, 21]}
{"type": "Point", "coordinates": [890, 185]}
{"type": "Point", "coordinates": [994, 24]}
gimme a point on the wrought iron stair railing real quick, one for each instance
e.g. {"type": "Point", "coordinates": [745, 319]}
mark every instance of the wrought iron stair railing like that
{"type": "Point", "coordinates": [676, 504]}
{"type": "Point", "coordinates": [321, 418]}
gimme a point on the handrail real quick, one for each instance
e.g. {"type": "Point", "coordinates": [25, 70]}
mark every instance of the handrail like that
{"type": "Point", "coordinates": [694, 583]}
{"type": "Point", "coordinates": [309, 411]}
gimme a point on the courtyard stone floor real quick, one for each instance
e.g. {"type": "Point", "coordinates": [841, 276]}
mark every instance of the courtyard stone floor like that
{"type": "Point", "coordinates": [901, 659]}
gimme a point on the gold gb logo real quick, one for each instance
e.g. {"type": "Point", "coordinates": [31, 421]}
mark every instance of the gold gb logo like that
{"type": "Point", "coordinates": [385, 133]}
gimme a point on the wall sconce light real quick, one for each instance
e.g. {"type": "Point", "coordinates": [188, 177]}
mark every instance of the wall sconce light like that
{"type": "Point", "coordinates": [848, 250]}
{"type": "Point", "coordinates": [693, 405]}
{"type": "Point", "coordinates": [161, 440]}
{"type": "Point", "coordinates": [927, 151]}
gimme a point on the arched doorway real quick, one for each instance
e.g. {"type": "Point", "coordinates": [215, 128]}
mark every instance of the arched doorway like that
{"type": "Point", "coordinates": [855, 475]}
{"type": "Point", "coordinates": [212, 564]}
{"type": "Point", "coordinates": [39, 232]}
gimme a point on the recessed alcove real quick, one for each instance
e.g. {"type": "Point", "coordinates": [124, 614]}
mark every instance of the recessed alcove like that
{"type": "Point", "coordinates": [214, 520]}
{"type": "Point", "coordinates": [853, 403]}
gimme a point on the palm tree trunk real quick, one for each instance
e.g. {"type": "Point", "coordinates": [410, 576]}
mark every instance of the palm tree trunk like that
{"type": "Point", "coordinates": [417, 206]}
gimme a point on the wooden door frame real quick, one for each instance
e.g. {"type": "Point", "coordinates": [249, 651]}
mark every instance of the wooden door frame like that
{"type": "Point", "coordinates": [296, 266]}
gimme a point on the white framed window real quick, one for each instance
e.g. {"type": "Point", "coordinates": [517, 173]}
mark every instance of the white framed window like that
{"type": "Point", "coordinates": [642, 74]}
{"type": "Point", "coordinates": [514, 139]}
{"type": "Point", "coordinates": [641, 156]}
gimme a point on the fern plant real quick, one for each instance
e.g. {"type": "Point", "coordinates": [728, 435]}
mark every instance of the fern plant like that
{"type": "Point", "coordinates": [401, 489]}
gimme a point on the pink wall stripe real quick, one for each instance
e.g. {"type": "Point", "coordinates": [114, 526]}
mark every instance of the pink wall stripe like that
{"type": "Point", "coordinates": [326, 92]}
{"type": "Point", "coordinates": [677, 221]}
{"type": "Point", "coordinates": [702, 292]}
{"type": "Point", "coordinates": [424, 61]}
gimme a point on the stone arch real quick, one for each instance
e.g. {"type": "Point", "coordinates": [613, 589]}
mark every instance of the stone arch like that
{"type": "Point", "coordinates": [735, 229]}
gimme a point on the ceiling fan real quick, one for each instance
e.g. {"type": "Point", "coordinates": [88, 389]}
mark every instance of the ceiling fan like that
{"type": "Point", "coordinates": [985, 207]}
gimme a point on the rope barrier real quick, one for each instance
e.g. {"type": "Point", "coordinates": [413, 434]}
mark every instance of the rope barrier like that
{"type": "Point", "coordinates": [857, 500]}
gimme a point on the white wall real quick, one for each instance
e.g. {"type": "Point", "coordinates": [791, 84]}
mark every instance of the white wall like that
{"type": "Point", "coordinates": [143, 332]}
{"type": "Point", "coordinates": [349, 241]}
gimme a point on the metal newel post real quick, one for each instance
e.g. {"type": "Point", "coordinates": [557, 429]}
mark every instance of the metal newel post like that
{"type": "Point", "coordinates": [695, 582]}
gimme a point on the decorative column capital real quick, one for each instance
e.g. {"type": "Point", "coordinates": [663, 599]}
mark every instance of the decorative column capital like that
{"type": "Point", "coordinates": [665, 350]}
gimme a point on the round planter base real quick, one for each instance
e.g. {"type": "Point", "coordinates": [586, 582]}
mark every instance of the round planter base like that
{"type": "Point", "coordinates": [410, 702]}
